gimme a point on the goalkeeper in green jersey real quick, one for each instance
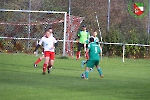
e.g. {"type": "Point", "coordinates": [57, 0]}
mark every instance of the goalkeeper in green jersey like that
{"type": "Point", "coordinates": [83, 35]}
{"type": "Point", "coordinates": [93, 58]}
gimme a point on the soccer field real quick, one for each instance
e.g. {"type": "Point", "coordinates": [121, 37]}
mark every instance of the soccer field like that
{"type": "Point", "coordinates": [19, 80]}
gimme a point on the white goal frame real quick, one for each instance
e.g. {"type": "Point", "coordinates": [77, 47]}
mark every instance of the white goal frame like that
{"type": "Point", "coordinates": [50, 12]}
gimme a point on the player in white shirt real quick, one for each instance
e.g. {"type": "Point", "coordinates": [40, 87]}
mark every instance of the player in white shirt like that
{"type": "Point", "coordinates": [42, 57]}
{"type": "Point", "coordinates": [49, 43]}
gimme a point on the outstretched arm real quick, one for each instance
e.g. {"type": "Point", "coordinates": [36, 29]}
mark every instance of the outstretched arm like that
{"type": "Point", "coordinates": [36, 48]}
{"type": "Point", "coordinates": [56, 44]}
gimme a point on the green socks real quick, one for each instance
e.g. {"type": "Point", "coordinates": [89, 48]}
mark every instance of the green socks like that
{"type": "Point", "coordinates": [99, 70]}
{"type": "Point", "coordinates": [87, 74]}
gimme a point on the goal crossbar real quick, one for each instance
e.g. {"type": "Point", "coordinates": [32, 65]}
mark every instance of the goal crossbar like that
{"type": "Point", "coordinates": [32, 11]}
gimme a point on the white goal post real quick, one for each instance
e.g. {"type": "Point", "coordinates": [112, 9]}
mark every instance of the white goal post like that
{"type": "Point", "coordinates": [49, 12]}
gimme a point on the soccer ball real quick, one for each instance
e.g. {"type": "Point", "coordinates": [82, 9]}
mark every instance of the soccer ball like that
{"type": "Point", "coordinates": [82, 76]}
{"type": "Point", "coordinates": [91, 69]}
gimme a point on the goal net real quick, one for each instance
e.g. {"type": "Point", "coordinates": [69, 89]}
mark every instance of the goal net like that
{"type": "Point", "coordinates": [20, 29]}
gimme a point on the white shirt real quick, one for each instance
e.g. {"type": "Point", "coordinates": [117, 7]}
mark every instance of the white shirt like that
{"type": "Point", "coordinates": [48, 43]}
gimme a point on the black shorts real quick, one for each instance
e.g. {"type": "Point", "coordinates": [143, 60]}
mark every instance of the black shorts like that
{"type": "Point", "coordinates": [80, 45]}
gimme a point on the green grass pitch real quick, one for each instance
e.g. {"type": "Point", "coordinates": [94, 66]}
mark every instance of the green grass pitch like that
{"type": "Point", "coordinates": [19, 80]}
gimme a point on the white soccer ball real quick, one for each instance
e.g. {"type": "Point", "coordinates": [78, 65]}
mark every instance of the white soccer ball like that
{"type": "Point", "coordinates": [91, 69]}
{"type": "Point", "coordinates": [82, 76]}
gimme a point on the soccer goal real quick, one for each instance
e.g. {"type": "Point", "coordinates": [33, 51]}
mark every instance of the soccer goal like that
{"type": "Point", "coordinates": [20, 29]}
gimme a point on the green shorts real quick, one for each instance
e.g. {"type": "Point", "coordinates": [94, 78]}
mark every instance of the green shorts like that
{"type": "Point", "coordinates": [92, 63]}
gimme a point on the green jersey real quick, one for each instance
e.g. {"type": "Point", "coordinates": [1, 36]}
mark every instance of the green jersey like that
{"type": "Point", "coordinates": [84, 35]}
{"type": "Point", "coordinates": [94, 51]}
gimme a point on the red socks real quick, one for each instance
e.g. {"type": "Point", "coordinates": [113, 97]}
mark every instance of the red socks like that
{"type": "Point", "coordinates": [78, 55]}
{"type": "Point", "coordinates": [44, 67]}
{"type": "Point", "coordinates": [38, 60]}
